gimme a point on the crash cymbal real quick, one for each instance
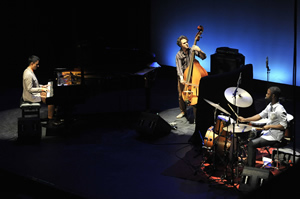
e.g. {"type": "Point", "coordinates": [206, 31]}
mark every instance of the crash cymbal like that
{"type": "Point", "coordinates": [243, 98]}
{"type": "Point", "coordinates": [238, 128]}
{"type": "Point", "coordinates": [217, 106]}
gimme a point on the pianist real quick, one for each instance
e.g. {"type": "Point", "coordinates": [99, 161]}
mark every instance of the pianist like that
{"type": "Point", "coordinates": [32, 90]}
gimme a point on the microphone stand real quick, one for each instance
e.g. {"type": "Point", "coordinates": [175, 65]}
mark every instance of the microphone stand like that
{"type": "Point", "coordinates": [235, 93]}
{"type": "Point", "coordinates": [234, 154]}
{"type": "Point", "coordinates": [268, 69]}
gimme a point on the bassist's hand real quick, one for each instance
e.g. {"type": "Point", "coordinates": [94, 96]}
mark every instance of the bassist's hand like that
{"type": "Point", "coordinates": [196, 48]}
{"type": "Point", "coordinates": [182, 80]}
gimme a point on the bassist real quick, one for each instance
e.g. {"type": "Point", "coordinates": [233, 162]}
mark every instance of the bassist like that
{"type": "Point", "coordinates": [183, 58]}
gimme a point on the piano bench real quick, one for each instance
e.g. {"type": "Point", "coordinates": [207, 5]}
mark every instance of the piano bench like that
{"type": "Point", "coordinates": [30, 109]}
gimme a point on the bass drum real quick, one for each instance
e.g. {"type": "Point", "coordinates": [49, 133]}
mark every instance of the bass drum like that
{"type": "Point", "coordinates": [222, 143]}
{"type": "Point", "coordinates": [209, 138]}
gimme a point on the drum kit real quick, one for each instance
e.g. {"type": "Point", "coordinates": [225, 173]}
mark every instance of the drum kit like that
{"type": "Point", "coordinates": [226, 141]}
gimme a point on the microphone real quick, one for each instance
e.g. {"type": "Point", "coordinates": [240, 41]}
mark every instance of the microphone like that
{"type": "Point", "coordinates": [267, 64]}
{"type": "Point", "coordinates": [238, 84]}
{"type": "Point", "coordinates": [240, 78]}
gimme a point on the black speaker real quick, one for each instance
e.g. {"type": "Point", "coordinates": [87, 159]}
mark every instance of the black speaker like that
{"type": "Point", "coordinates": [253, 178]}
{"type": "Point", "coordinates": [152, 126]}
{"type": "Point", "coordinates": [284, 183]}
{"type": "Point", "coordinates": [226, 60]}
{"type": "Point", "coordinates": [29, 130]}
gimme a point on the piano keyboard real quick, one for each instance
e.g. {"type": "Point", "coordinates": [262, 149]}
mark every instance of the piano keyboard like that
{"type": "Point", "coordinates": [50, 89]}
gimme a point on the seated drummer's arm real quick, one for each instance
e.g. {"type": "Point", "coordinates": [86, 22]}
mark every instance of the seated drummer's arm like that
{"type": "Point", "coordinates": [279, 127]}
{"type": "Point", "coordinates": [249, 119]}
{"type": "Point", "coordinates": [282, 124]}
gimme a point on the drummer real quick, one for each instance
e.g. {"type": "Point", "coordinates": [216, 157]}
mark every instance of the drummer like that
{"type": "Point", "coordinates": [273, 131]}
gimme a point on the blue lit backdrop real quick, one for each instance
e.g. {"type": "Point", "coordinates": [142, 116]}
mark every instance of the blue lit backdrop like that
{"type": "Point", "coordinates": [258, 28]}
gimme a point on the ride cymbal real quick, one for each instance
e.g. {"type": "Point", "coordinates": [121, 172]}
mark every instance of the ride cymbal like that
{"type": "Point", "coordinates": [243, 98]}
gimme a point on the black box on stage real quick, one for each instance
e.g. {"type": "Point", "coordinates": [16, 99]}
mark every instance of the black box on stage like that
{"type": "Point", "coordinates": [152, 126]}
{"type": "Point", "coordinates": [225, 60]}
{"type": "Point", "coordinates": [29, 129]}
{"type": "Point", "coordinates": [253, 178]}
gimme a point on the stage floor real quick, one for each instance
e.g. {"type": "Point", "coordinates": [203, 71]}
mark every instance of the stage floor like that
{"type": "Point", "coordinates": [100, 155]}
{"type": "Point", "coordinates": [96, 160]}
{"type": "Point", "coordinates": [103, 161]}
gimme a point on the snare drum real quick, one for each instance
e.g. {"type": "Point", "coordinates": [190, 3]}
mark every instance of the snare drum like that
{"type": "Point", "coordinates": [222, 121]}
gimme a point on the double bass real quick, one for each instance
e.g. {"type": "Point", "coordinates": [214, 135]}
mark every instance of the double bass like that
{"type": "Point", "coordinates": [192, 75]}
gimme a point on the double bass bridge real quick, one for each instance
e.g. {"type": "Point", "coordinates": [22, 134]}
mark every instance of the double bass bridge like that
{"type": "Point", "coordinates": [190, 84]}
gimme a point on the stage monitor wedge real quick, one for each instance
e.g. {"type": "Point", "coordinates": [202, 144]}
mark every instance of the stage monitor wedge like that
{"type": "Point", "coordinates": [253, 178]}
{"type": "Point", "coordinates": [152, 126]}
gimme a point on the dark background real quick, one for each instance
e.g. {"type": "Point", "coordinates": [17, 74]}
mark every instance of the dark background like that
{"type": "Point", "coordinates": [70, 34]}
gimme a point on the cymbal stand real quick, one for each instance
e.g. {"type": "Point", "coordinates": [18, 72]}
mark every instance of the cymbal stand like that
{"type": "Point", "coordinates": [227, 157]}
{"type": "Point", "coordinates": [213, 148]}
{"type": "Point", "coordinates": [214, 141]}
{"type": "Point", "coordinates": [234, 151]}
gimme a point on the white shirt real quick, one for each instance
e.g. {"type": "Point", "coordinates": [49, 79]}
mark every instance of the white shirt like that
{"type": "Point", "coordinates": [31, 87]}
{"type": "Point", "coordinates": [276, 115]}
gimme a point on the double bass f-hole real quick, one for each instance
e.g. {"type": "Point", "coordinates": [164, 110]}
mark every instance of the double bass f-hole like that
{"type": "Point", "coordinates": [192, 75]}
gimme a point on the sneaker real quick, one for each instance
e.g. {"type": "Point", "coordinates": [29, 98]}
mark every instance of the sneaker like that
{"type": "Point", "coordinates": [180, 115]}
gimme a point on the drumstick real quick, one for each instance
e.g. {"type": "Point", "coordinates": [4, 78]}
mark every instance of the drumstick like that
{"type": "Point", "coordinates": [233, 110]}
{"type": "Point", "coordinates": [259, 128]}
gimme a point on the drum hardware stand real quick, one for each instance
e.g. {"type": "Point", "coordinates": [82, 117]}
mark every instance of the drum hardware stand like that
{"type": "Point", "coordinates": [239, 98]}
{"type": "Point", "coordinates": [236, 158]}
{"type": "Point", "coordinates": [217, 106]}
{"type": "Point", "coordinates": [213, 148]}
{"type": "Point", "coordinates": [234, 137]}
{"type": "Point", "coordinates": [225, 159]}
{"type": "Point", "coordinates": [233, 151]}
{"type": "Point", "coordinates": [214, 142]}
{"type": "Point", "coordinates": [225, 176]}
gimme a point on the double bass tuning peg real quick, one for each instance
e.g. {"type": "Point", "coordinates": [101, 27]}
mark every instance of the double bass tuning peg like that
{"type": "Point", "coordinates": [200, 30]}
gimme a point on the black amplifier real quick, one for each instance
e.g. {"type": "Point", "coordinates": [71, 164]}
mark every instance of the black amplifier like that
{"type": "Point", "coordinates": [225, 60]}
